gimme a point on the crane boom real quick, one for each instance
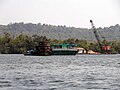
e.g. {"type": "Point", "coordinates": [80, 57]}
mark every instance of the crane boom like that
{"type": "Point", "coordinates": [105, 49]}
{"type": "Point", "coordinates": [96, 34]}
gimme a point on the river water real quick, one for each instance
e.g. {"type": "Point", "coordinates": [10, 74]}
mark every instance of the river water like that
{"type": "Point", "coordinates": [80, 72]}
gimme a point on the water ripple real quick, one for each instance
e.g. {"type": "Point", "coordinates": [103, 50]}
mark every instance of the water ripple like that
{"type": "Point", "coordinates": [80, 72]}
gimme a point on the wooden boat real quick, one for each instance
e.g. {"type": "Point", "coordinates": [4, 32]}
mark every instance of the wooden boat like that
{"type": "Point", "coordinates": [43, 49]}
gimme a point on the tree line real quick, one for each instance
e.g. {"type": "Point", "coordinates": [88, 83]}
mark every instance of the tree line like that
{"type": "Point", "coordinates": [21, 43]}
{"type": "Point", "coordinates": [60, 32]}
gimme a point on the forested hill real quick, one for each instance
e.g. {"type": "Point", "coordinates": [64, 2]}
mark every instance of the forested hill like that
{"type": "Point", "coordinates": [60, 32]}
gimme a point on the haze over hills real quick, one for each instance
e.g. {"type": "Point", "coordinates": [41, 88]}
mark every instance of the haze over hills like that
{"type": "Point", "coordinates": [60, 32]}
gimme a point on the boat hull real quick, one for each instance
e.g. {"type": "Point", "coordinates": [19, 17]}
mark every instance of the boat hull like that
{"type": "Point", "coordinates": [64, 52]}
{"type": "Point", "coordinates": [38, 54]}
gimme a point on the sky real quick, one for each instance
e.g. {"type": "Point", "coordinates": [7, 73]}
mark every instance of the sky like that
{"type": "Point", "coordinates": [71, 13]}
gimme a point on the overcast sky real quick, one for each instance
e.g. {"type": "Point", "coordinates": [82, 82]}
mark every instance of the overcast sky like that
{"type": "Point", "coordinates": [75, 13]}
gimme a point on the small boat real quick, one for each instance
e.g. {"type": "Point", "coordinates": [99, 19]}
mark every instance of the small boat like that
{"type": "Point", "coordinates": [64, 49]}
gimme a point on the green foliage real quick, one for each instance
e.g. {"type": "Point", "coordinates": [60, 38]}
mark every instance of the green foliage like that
{"type": "Point", "coordinates": [115, 46]}
{"type": "Point", "coordinates": [60, 32]}
{"type": "Point", "coordinates": [22, 43]}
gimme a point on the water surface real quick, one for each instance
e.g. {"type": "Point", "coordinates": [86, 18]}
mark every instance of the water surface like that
{"type": "Point", "coordinates": [80, 72]}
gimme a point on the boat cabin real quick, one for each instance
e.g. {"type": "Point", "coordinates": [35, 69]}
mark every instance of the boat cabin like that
{"type": "Point", "coordinates": [63, 46]}
{"type": "Point", "coordinates": [64, 49]}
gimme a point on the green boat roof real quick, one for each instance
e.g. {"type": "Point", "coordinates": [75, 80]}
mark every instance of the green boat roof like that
{"type": "Point", "coordinates": [64, 45]}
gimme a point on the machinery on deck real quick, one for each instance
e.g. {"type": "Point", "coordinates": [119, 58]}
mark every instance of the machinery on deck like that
{"type": "Point", "coordinates": [104, 49]}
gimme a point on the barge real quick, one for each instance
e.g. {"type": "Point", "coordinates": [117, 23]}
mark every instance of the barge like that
{"type": "Point", "coordinates": [44, 49]}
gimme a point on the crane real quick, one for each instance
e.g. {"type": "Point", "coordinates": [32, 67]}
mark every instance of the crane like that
{"type": "Point", "coordinates": [105, 49]}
